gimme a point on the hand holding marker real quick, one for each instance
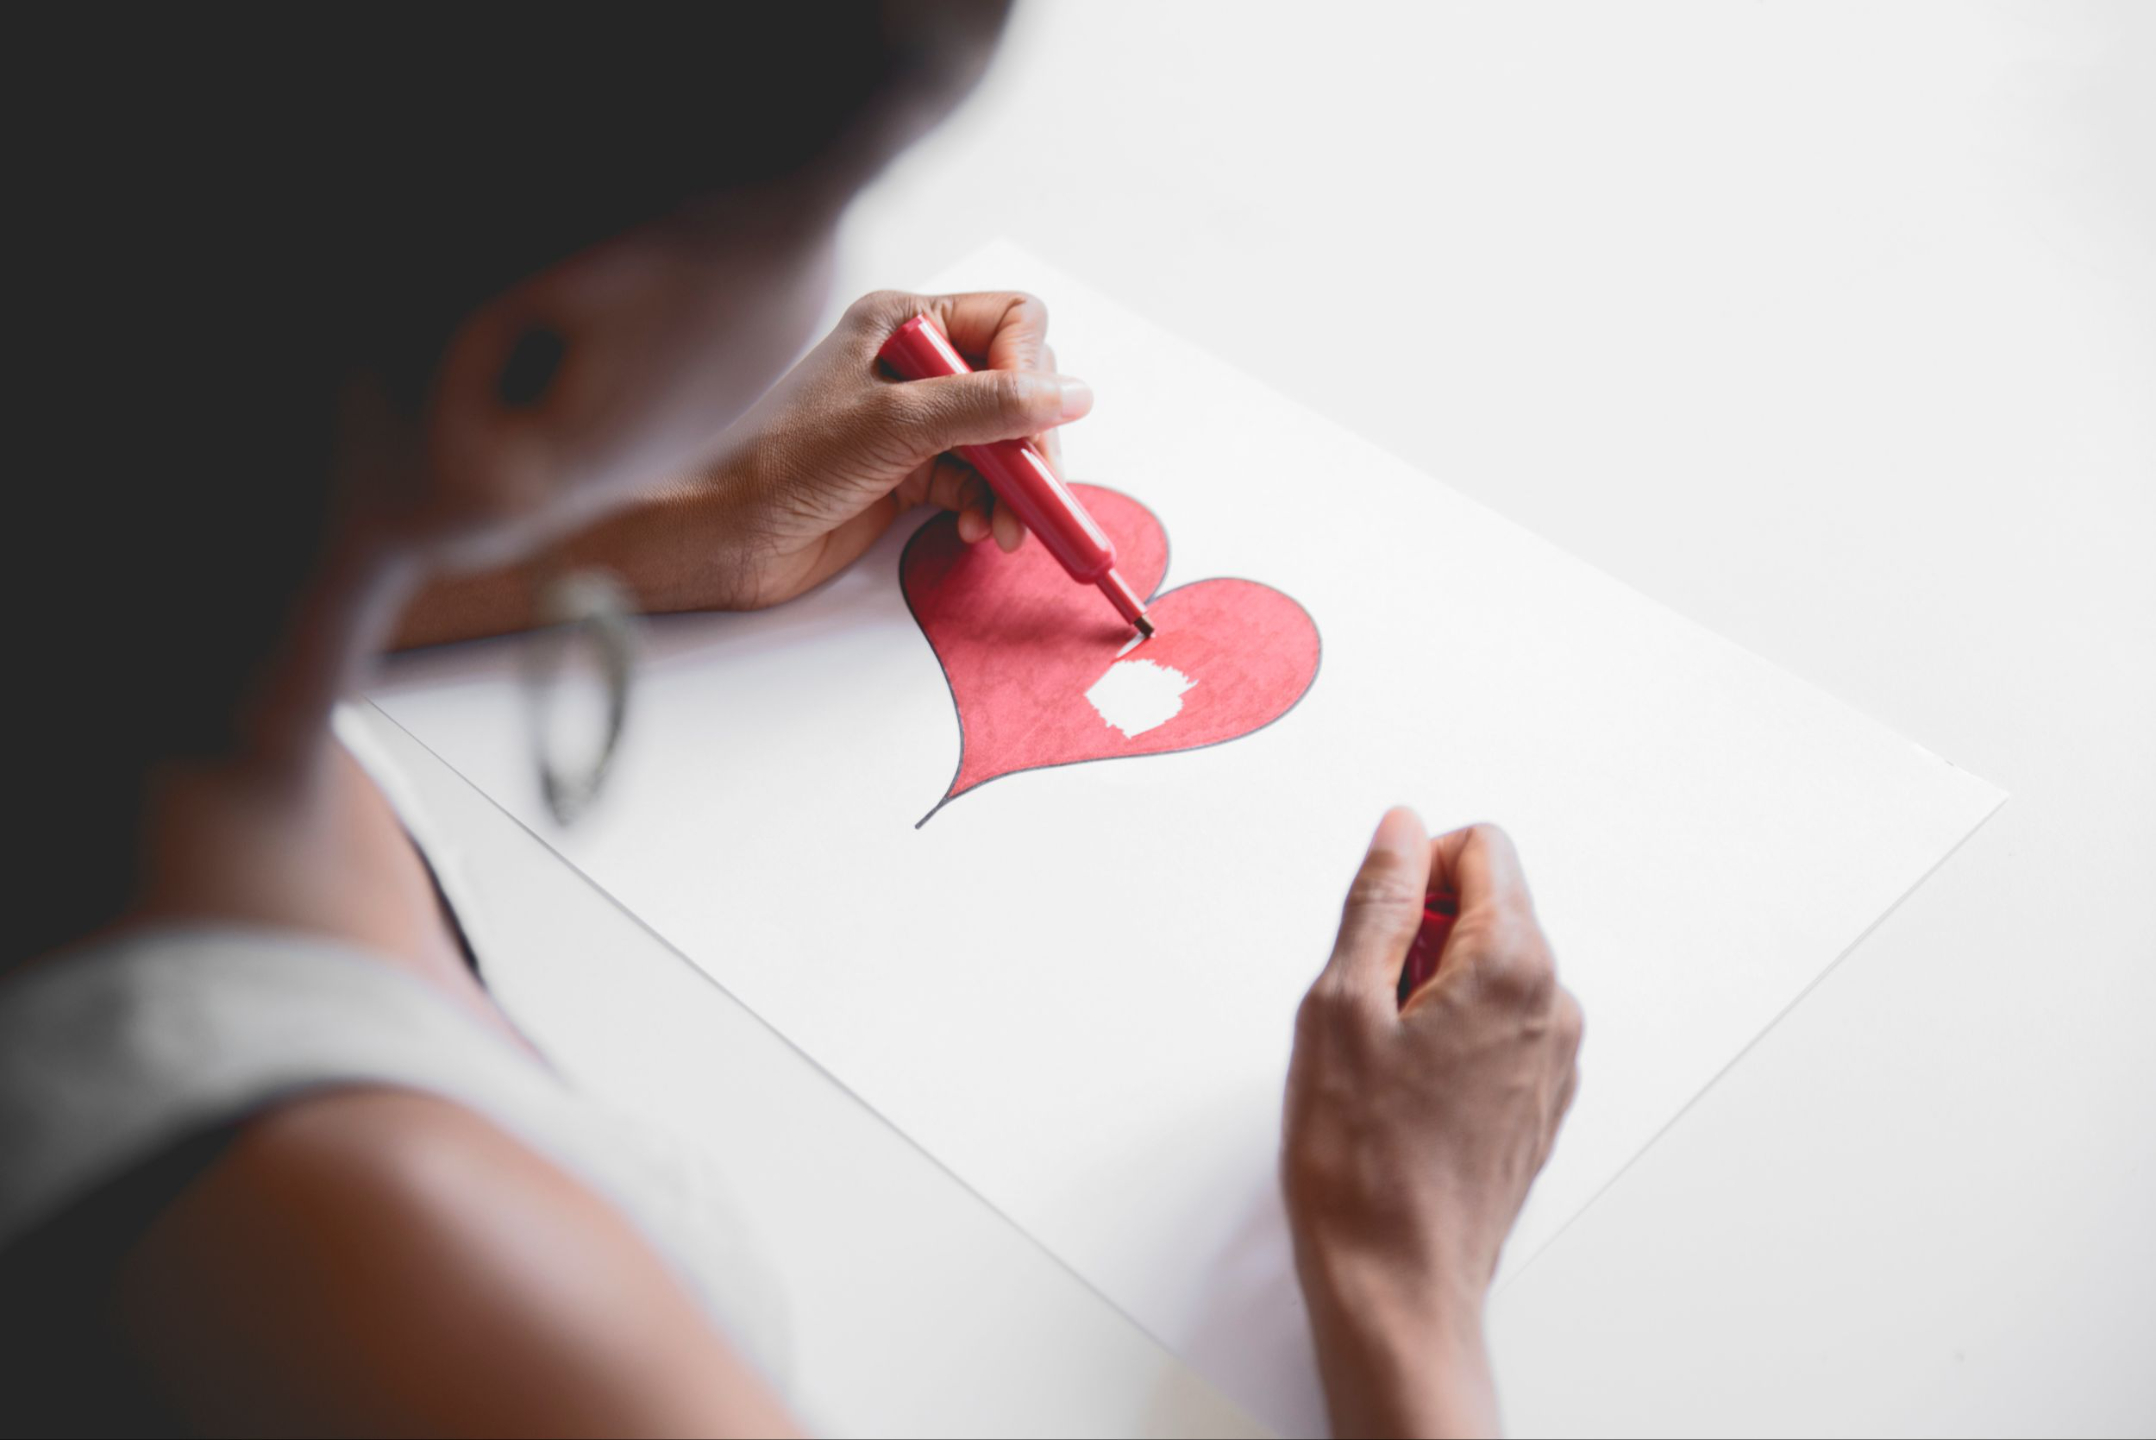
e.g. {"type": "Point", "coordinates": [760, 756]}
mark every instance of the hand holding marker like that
{"type": "Point", "coordinates": [1022, 479]}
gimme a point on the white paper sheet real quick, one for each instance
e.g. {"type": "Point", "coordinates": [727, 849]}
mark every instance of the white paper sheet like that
{"type": "Point", "coordinates": [1075, 987]}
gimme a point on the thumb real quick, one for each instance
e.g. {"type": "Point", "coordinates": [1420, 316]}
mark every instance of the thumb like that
{"type": "Point", "coordinates": [1384, 908]}
{"type": "Point", "coordinates": [988, 405]}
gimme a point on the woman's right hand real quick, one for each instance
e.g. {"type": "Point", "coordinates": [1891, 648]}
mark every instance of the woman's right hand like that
{"type": "Point", "coordinates": [1412, 1132]}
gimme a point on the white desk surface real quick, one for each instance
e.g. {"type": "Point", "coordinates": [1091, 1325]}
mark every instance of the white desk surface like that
{"type": "Point", "coordinates": [1831, 327]}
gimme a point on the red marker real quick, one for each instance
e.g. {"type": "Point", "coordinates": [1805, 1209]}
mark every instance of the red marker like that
{"type": "Point", "coordinates": [1439, 909]}
{"type": "Point", "coordinates": [1022, 479]}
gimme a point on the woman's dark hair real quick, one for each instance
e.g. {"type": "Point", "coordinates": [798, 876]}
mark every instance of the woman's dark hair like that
{"type": "Point", "coordinates": [231, 213]}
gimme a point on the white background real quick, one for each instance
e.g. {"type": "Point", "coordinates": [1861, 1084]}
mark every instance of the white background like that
{"type": "Point", "coordinates": [1833, 329]}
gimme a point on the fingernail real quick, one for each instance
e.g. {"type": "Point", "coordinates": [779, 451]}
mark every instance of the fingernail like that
{"type": "Point", "coordinates": [1077, 396]}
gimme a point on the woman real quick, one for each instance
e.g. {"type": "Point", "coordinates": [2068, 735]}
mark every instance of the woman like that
{"type": "Point", "coordinates": [357, 339]}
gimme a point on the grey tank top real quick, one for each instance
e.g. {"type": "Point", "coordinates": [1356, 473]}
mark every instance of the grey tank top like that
{"type": "Point", "coordinates": [120, 1053]}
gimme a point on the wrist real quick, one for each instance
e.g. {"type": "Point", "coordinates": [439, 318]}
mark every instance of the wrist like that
{"type": "Point", "coordinates": [1400, 1347]}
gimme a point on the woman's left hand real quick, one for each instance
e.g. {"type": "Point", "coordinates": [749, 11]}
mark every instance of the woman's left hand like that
{"type": "Point", "coordinates": [839, 449]}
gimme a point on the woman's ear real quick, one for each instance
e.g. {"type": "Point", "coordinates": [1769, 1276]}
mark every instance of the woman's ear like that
{"type": "Point", "coordinates": [534, 361]}
{"type": "Point", "coordinates": [492, 429]}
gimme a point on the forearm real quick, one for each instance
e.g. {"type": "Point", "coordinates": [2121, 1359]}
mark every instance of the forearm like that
{"type": "Point", "coordinates": [671, 552]}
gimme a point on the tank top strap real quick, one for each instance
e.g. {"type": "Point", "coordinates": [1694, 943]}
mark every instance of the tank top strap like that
{"type": "Point", "coordinates": [111, 1053]}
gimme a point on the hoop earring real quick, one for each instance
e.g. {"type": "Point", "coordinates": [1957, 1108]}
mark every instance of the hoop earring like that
{"type": "Point", "coordinates": [583, 604]}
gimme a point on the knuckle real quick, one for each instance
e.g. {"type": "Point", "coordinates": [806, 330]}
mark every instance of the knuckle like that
{"type": "Point", "coordinates": [1321, 1003]}
{"type": "Point", "coordinates": [1520, 981]}
{"type": "Point", "coordinates": [1495, 839]}
{"type": "Point", "coordinates": [896, 409]}
{"type": "Point", "coordinates": [1571, 1022]}
{"type": "Point", "coordinates": [1382, 885]}
{"type": "Point", "coordinates": [1496, 843]}
{"type": "Point", "coordinates": [1015, 394]}
{"type": "Point", "coordinates": [1028, 308]}
{"type": "Point", "coordinates": [879, 305]}
{"type": "Point", "coordinates": [1329, 1009]}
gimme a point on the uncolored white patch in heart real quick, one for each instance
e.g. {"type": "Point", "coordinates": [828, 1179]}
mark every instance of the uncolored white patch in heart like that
{"type": "Point", "coordinates": [1137, 695]}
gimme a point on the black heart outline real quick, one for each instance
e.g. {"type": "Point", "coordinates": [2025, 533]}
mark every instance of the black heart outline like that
{"type": "Point", "coordinates": [1166, 560]}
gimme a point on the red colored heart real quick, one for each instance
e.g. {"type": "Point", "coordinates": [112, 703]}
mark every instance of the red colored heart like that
{"type": "Point", "coordinates": [1037, 664]}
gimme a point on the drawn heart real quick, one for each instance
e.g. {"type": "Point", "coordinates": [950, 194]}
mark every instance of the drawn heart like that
{"type": "Point", "coordinates": [1037, 664]}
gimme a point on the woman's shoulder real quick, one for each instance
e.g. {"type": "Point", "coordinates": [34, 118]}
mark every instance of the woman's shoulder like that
{"type": "Point", "coordinates": [365, 1186]}
{"type": "Point", "coordinates": [398, 1260]}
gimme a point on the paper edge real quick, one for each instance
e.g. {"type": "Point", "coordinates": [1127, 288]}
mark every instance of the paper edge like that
{"type": "Point", "coordinates": [1976, 788]}
{"type": "Point", "coordinates": [1508, 1274]}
